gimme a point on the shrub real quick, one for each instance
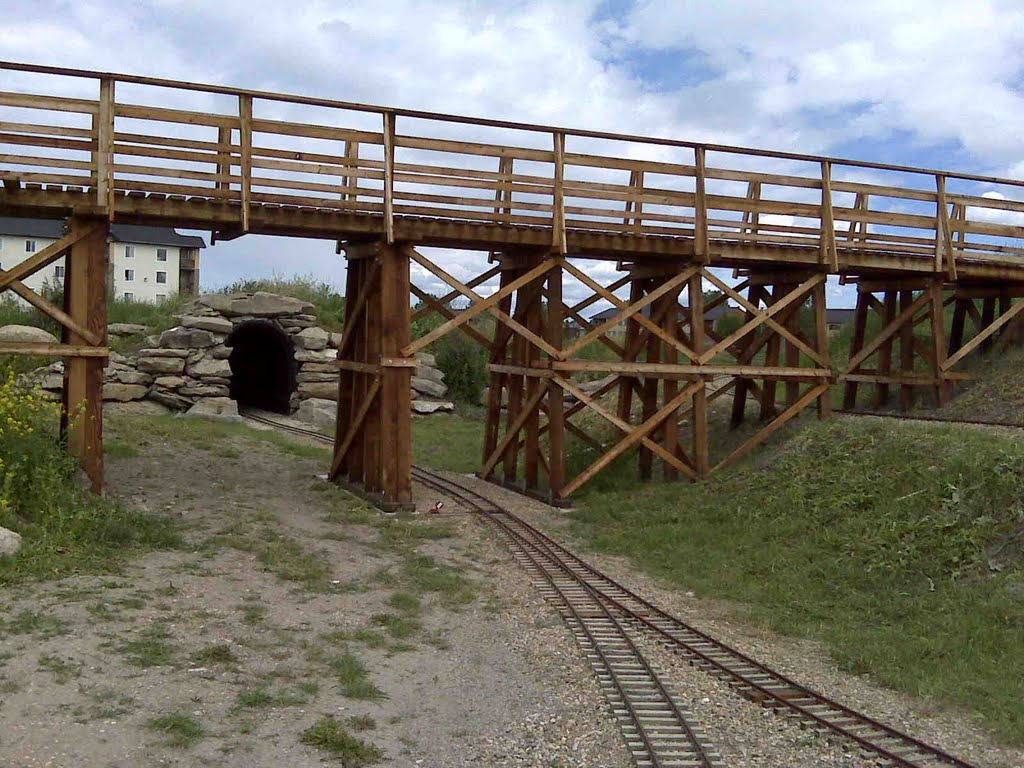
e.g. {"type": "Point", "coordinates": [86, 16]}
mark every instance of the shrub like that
{"type": "Point", "coordinates": [464, 364]}
{"type": "Point", "coordinates": [64, 529]}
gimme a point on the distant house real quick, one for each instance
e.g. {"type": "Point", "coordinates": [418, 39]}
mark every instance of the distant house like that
{"type": "Point", "coordinates": [711, 317]}
{"type": "Point", "coordinates": [837, 318]}
{"type": "Point", "coordinates": [146, 263]}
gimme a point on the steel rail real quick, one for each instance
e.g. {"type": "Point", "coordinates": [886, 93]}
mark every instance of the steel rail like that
{"type": "Point", "coordinates": [926, 417]}
{"type": "Point", "coordinates": [757, 681]}
{"type": "Point", "coordinates": [754, 680]}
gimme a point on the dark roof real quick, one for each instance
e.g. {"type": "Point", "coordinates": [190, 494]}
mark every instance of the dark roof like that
{"type": "Point", "coordinates": [53, 229]}
{"type": "Point", "coordinates": [712, 314]}
{"type": "Point", "coordinates": [839, 315]}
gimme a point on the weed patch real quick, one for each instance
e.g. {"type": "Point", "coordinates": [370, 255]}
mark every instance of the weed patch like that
{"type": "Point", "coordinates": [331, 736]}
{"type": "Point", "coordinates": [353, 677]}
{"type": "Point", "coordinates": [151, 648]}
{"type": "Point", "coordinates": [179, 729]}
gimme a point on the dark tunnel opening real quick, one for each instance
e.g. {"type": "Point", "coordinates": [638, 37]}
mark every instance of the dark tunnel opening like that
{"type": "Point", "coordinates": [263, 366]}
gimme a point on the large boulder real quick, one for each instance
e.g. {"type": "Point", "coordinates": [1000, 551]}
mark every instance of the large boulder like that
{"type": "Point", "coordinates": [126, 329]}
{"type": "Point", "coordinates": [125, 375]}
{"type": "Point", "coordinates": [156, 352]}
{"type": "Point", "coordinates": [316, 356]}
{"type": "Point", "coordinates": [259, 304]}
{"type": "Point", "coordinates": [10, 543]}
{"type": "Point", "coordinates": [218, 368]}
{"type": "Point", "coordinates": [427, 372]}
{"type": "Point", "coordinates": [319, 412]}
{"type": "Point", "coordinates": [220, 408]}
{"type": "Point", "coordinates": [426, 407]}
{"type": "Point", "coordinates": [161, 365]}
{"type": "Point", "coordinates": [428, 387]}
{"type": "Point", "coordinates": [326, 390]}
{"type": "Point", "coordinates": [26, 334]}
{"type": "Point", "coordinates": [136, 408]}
{"type": "Point", "coordinates": [312, 338]}
{"type": "Point", "coordinates": [204, 390]}
{"type": "Point", "coordinates": [169, 382]}
{"type": "Point", "coordinates": [427, 359]}
{"type": "Point", "coordinates": [212, 324]}
{"type": "Point", "coordinates": [305, 376]}
{"type": "Point", "coordinates": [124, 392]}
{"type": "Point", "coordinates": [173, 401]}
{"type": "Point", "coordinates": [186, 338]}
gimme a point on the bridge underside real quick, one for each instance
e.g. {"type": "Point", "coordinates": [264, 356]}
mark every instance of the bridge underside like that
{"type": "Point", "coordinates": [691, 229]}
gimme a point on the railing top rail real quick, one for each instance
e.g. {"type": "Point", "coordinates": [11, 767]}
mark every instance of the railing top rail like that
{"type": "Point", "coordinates": [492, 123]}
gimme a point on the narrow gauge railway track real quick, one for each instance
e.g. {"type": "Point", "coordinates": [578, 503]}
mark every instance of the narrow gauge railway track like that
{"type": "Point", "coordinates": [621, 609]}
{"type": "Point", "coordinates": [658, 732]}
{"type": "Point", "coordinates": [925, 417]}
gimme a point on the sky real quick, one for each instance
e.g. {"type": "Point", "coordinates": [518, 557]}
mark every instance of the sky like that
{"type": "Point", "coordinates": [934, 83]}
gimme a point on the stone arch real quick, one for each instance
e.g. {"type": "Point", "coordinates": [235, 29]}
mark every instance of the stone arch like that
{"type": "Point", "coordinates": [263, 366]}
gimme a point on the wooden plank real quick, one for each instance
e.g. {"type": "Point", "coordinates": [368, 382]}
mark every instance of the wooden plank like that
{"type": "Point", "coordinates": [983, 336]}
{"type": "Point", "coordinates": [355, 425]}
{"type": "Point", "coordinates": [358, 367]}
{"type": "Point", "coordinates": [906, 314]}
{"type": "Point", "coordinates": [85, 300]}
{"type": "Point", "coordinates": [53, 350]}
{"type": "Point", "coordinates": [480, 305]}
{"type": "Point", "coordinates": [701, 447]}
{"type": "Point", "coordinates": [634, 436]}
{"type": "Point", "coordinates": [389, 176]}
{"type": "Point", "coordinates": [555, 408]}
{"type": "Point", "coordinates": [512, 432]}
{"type": "Point", "coordinates": [776, 424]}
{"type": "Point", "coordinates": [245, 148]}
{"type": "Point", "coordinates": [51, 103]}
{"type": "Point", "coordinates": [558, 242]}
{"type": "Point", "coordinates": [700, 208]}
{"type": "Point", "coordinates": [829, 254]}
{"type": "Point", "coordinates": [396, 391]}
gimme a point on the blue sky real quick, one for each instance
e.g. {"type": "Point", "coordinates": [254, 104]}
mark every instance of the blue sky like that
{"type": "Point", "coordinates": [922, 82]}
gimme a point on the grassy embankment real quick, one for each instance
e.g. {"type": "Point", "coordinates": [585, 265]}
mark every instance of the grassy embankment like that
{"type": "Point", "coordinates": [64, 529]}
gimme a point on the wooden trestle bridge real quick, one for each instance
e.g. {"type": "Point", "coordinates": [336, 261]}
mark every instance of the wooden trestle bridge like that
{"type": "Point", "coordinates": [539, 202]}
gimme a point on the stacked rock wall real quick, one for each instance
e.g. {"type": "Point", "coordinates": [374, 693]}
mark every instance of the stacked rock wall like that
{"type": "Point", "coordinates": [187, 368]}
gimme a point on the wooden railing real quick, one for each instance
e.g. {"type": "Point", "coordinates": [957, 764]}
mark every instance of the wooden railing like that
{"type": "Point", "coordinates": [555, 178]}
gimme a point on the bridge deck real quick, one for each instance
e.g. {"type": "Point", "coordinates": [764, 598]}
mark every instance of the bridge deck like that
{"type": "Point", "coordinates": [346, 171]}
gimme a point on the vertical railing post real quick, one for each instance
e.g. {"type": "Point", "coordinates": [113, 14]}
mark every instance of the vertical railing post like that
{"type": "Point", "coordinates": [223, 157]}
{"type": "Point", "coordinates": [389, 177]}
{"type": "Point", "coordinates": [245, 140]}
{"type": "Point", "coordinates": [752, 219]}
{"type": "Point", "coordinates": [943, 236]}
{"type": "Point", "coordinates": [828, 227]}
{"type": "Point", "coordinates": [558, 239]}
{"type": "Point", "coordinates": [105, 148]}
{"type": "Point", "coordinates": [350, 184]}
{"type": "Point", "coordinates": [634, 204]}
{"type": "Point", "coordinates": [700, 207]}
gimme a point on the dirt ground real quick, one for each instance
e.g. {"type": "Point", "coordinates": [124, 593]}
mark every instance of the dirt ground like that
{"type": "Point", "coordinates": [225, 652]}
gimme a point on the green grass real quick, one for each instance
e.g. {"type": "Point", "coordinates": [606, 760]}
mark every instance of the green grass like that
{"type": "Point", "coordinates": [353, 677]}
{"type": "Point", "coordinates": [179, 729]}
{"type": "Point", "coordinates": [151, 648]}
{"type": "Point", "coordinates": [40, 625]}
{"type": "Point", "coordinates": [263, 697]}
{"type": "Point", "coordinates": [399, 627]}
{"type": "Point", "coordinates": [63, 670]}
{"type": "Point", "coordinates": [448, 441]}
{"type": "Point", "coordinates": [281, 555]}
{"type": "Point", "coordinates": [214, 654]}
{"type": "Point", "coordinates": [897, 545]}
{"type": "Point", "coordinates": [330, 735]}
{"type": "Point", "coordinates": [214, 436]}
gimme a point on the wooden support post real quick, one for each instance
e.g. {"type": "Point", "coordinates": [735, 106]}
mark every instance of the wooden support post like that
{"type": "Point", "coordinates": [988, 314]}
{"type": "Point", "coordinates": [105, 148]}
{"type": "Point", "coordinates": [85, 301]}
{"type": "Point", "coordinates": [859, 328]}
{"type": "Point", "coordinates": [906, 350]}
{"type": "Point", "coordinates": [699, 416]}
{"type": "Point", "coordinates": [885, 353]}
{"type": "Point", "coordinates": [649, 403]}
{"type": "Point", "coordinates": [395, 435]}
{"type": "Point", "coordinates": [245, 140]}
{"type": "Point", "coordinates": [499, 381]}
{"type": "Point", "coordinates": [771, 359]}
{"type": "Point", "coordinates": [821, 334]}
{"type": "Point", "coordinates": [555, 408]}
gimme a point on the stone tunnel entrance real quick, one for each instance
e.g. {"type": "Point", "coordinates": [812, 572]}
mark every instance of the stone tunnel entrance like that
{"type": "Point", "coordinates": [263, 366]}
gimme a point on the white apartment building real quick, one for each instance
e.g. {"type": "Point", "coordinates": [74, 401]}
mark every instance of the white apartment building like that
{"type": "Point", "coordinates": [146, 263]}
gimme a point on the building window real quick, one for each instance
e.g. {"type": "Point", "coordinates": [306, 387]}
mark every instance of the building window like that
{"type": "Point", "coordinates": [161, 254]}
{"type": "Point", "coordinates": [129, 251]}
{"type": "Point", "coordinates": [30, 246]}
{"type": "Point", "coordinates": [58, 272]}
{"type": "Point", "coordinates": [129, 275]}
{"type": "Point", "coordinates": [161, 277]}
{"type": "Point", "coordinates": [129, 296]}
{"type": "Point", "coordinates": [161, 296]}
